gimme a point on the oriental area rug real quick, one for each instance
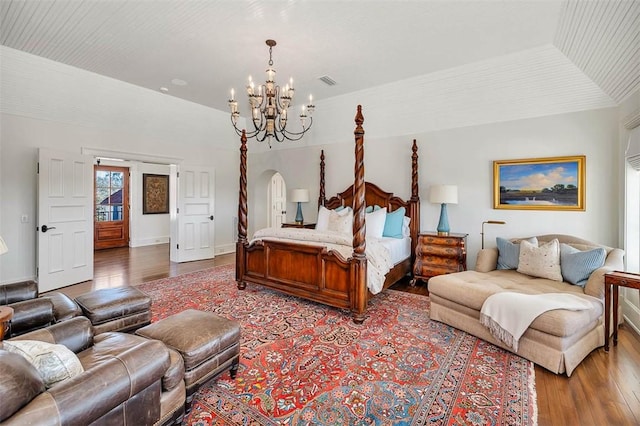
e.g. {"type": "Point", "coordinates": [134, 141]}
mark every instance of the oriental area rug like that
{"type": "Point", "coordinates": [304, 363]}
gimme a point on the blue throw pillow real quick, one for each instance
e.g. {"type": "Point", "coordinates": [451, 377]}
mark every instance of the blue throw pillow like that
{"type": "Point", "coordinates": [337, 209]}
{"type": "Point", "coordinates": [393, 223]}
{"type": "Point", "coordinates": [509, 253]}
{"type": "Point", "coordinates": [577, 265]}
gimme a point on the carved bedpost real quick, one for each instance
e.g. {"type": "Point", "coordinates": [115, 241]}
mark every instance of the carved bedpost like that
{"type": "Point", "coordinates": [359, 231]}
{"type": "Point", "coordinates": [415, 201]}
{"type": "Point", "coordinates": [241, 244]}
{"type": "Point", "coordinates": [321, 197]}
{"type": "Point", "coordinates": [414, 172]}
{"type": "Point", "coordinates": [359, 303]}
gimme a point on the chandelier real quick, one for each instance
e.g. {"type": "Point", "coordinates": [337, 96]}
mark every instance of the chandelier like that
{"type": "Point", "coordinates": [269, 105]}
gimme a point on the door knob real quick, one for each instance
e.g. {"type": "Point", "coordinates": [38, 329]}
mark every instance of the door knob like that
{"type": "Point", "coordinates": [45, 228]}
{"type": "Point", "coordinates": [211, 217]}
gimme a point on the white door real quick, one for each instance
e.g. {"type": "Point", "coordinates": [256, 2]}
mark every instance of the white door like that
{"type": "Point", "coordinates": [196, 222]}
{"type": "Point", "coordinates": [65, 219]}
{"type": "Point", "coordinates": [278, 201]}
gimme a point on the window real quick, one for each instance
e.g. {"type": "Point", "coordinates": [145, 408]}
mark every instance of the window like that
{"type": "Point", "coordinates": [109, 195]}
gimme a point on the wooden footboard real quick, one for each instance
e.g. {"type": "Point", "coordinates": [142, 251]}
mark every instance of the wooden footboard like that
{"type": "Point", "coordinates": [313, 273]}
{"type": "Point", "coordinates": [301, 270]}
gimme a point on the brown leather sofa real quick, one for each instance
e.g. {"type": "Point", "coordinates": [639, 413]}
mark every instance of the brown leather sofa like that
{"type": "Point", "coordinates": [127, 379]}
{"type": "Point", "coordinates": [31, 312]}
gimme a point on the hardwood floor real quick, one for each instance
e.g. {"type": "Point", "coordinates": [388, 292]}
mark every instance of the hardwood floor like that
{"type": "Point", "coordinates": [603, 390]}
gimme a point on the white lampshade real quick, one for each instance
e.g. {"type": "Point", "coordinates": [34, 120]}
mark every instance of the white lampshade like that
{"type": "Point", "coordinates": [443, 194]}
{"type": "Point", "coordinates": [300, 195]}
{"type": "Point", "coordinates": [3, 246]}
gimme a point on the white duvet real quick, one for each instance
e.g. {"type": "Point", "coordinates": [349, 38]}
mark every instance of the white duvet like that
{"type": "Point", "coordinates": [378, 257]}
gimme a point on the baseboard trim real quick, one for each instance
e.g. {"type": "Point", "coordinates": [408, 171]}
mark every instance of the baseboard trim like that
{"type": "Point", "coordinates": [149, 242]}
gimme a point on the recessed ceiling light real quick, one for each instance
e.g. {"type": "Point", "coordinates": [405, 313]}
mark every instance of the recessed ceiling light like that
{"type": "Point", "coordinates": [164, 89]}
{"type": "Point", "coordinates": [178, 82]}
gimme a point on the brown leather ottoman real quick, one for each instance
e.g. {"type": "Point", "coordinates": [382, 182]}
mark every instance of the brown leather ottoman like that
{"type": "Point", "coordinates": [116, 309]}
{"type": "Point", "coordinates": [208, 343]}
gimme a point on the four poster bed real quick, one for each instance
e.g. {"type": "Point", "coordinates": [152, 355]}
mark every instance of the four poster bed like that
{"type": "Point", "coordinates": [321, 272]}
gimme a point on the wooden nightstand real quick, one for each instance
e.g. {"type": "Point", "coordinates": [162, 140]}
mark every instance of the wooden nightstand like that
{"type": "Point", "coordinates": [307, 225]}
{"type": "Point", "coordinates": [439, 254]}
{"type": "Point", "coordinates": [615, 279]}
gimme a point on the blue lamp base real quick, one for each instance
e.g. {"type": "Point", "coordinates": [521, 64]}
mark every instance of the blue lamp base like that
{"type": "Point", "coordinates": [299, 218]}
{"type": "Point", "coordinates": [443, 225]}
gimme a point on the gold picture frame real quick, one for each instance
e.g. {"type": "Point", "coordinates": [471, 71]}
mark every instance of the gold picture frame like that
{"type": "Point", "coordinates": [555, 183]}
{"type": "Point", "coordinates": [155, 194]}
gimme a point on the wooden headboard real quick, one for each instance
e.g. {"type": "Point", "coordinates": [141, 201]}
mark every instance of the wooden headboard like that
{"type": "Point", "coordinates": [374, 195]}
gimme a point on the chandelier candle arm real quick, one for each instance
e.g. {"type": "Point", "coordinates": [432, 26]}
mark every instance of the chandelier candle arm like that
{"type": "Point", "coordinates": [269, 104]}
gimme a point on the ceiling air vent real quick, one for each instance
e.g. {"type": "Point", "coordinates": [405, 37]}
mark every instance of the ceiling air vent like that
{"type": "Point", "coordinates": [327, 80]}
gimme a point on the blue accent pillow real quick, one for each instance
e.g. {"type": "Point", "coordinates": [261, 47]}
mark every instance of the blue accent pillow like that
{"type": "Point", "coordinates": [371, 209]}
{"type": "Point", "coordinates": [337, 209]}
{"type": "Point", "coordinates": [509, 253]}
{"type": "Point", "coordinates": [393, 223]}
{"type": "Point", "coordinates": [577, 265]}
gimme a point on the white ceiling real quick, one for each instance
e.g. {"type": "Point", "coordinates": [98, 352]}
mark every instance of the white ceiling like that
{"type": "Point", "coordinates": [214, 45]}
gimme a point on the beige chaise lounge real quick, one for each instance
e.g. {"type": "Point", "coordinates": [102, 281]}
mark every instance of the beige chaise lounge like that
{"type": "Point", "coordinates": [557, 340]}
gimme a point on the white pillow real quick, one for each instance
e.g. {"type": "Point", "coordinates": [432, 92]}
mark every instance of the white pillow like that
{"type": "Point", "coordinates": [406, 231]}
{"type": "Point", "coordinates": [322, 224]}
{"type": "Point", "coordinates": [342, 224]}
{"type": "Point", "coordinates": [542, 261]}
{"type": "Point", "coordinates": [55, 363]}
{"type": "Point", "coordinates": [375, 222]}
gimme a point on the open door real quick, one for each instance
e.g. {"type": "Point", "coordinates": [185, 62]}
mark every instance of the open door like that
{"type": "Point", "coordinates": [65, 219]}
{"type": "Point", "coordinates": [111, 206]}
{"type": "Point", "coordinates": [195, 214]}
{"type": "Point", "coordinates": [278, 195]}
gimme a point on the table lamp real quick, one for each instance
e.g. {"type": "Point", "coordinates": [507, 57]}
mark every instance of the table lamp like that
{"type": "Point", "coordinates": [443, 195]}
{"type": "Point", "coordinates": [300, 196]}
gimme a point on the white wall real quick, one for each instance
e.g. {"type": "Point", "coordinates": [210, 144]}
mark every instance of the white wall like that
{"type": "Point", "coordinates": [46, 104]}
{"type": "Point", "coordinates": [464, 157]}
{"type": "Point", "coordinates": [146, 229]}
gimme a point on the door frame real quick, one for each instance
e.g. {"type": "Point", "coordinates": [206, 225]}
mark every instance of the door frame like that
{"type": "Point", "coordinates": [126, 212]}
{"type": "Point", "coordinates": [112, 157]}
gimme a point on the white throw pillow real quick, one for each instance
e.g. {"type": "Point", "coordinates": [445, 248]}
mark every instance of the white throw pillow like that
{"type": "Point", "coordinates": [322, 224]}
{"type": "Point", "coordinates": [406, 230]}
{"type": "Point", "coordinates": [542, 261]}
{"type": "Point", "coordinates": [342, 224]}
{"type": "Point", "coordinates": [375, 222]}
{"type": "Point", "coordinates": [55, 363]}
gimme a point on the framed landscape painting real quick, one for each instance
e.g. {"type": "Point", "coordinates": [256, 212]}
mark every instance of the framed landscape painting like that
{"type": "Point", "coordinates": [556, 183]}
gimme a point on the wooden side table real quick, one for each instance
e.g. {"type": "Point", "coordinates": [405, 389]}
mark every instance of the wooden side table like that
{"type": "Point", "coordinates": [6, 313]}
{"type": "Point", "coordinates": [308, 225]}
{"type": "Point", "coordinates": [439, 254]}
{"type": "Point", "coordinates": [615, 280]}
